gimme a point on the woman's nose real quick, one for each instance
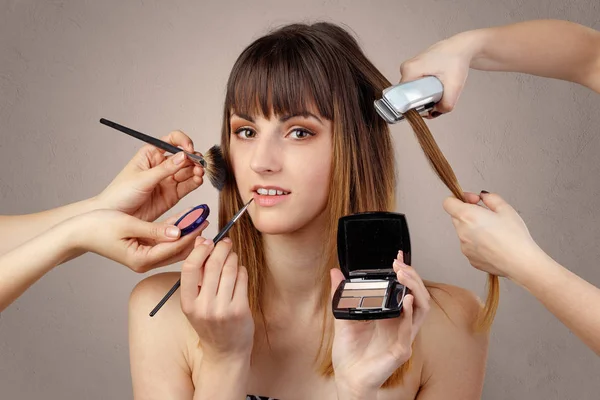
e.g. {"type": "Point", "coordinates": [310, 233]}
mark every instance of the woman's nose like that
{"type": "Point", "coordinates": [266, 157]}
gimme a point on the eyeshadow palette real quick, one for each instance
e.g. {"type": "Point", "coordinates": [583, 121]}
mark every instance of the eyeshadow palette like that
{"type": "Point", "coordinates": [367, 246]}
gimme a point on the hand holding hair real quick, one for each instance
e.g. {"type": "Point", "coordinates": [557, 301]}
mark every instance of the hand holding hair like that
{"type": "Point", "coordinates": [495, 239]}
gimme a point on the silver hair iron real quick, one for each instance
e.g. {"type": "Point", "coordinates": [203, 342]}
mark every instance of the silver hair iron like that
{"type": "Point", "coordinates": [421, 95]}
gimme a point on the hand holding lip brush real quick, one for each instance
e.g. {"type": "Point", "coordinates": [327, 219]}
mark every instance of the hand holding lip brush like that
{"type": "Point", "coordinates": [217, 238]}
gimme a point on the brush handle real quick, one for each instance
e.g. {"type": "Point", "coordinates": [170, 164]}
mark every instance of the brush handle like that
{"type": "Point", "coordinates": [142, 136]}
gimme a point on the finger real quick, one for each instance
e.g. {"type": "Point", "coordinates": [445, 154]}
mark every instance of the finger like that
{"type": "Point", "coordinates": [452, 90]}
{"type": "Point", "coordinates": [336, 278]}
{"type": "Point", "coordinates": [186, 187]}
{"type": "Point", "coordinates": [400, 258]}
{"type": "Point", "coordinates": [472, 198]}
{"type": "Point", "coordinates": [198, 171]}
{"type": "Point", "coordinates": [184, 174]}
{"type": "Point", "coordinates": [154, 231]}
{"type": "Point", "coordinates": [405, 328]}
{"type": "Point", "coordinates": [165, 169]}
{"type": "Point", "coordinates": [407, 276]}
{"type": "Point", "coordinates": [454, 206]}
{"type": "Point", "coordinates": [227, 281]}
{"type": "Point", "coordinates": [179, 139]}
{"type": "Point", "coordinates": [410, 71]}
{"type": "Point", "coordinates": [152, 256]}
{"type": "Point", "coordinates": [240, 292]}
{"type": "Point", "coordinates": [494, 202]}
{"type": "Point", "coordinates": [212, 270]}
{"type": "Point", "coordinates": [191, 271]}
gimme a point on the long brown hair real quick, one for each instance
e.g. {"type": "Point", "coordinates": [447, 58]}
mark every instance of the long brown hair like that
{"type": "Point", "coordinates": [444, 171]}
{"type": "Point", "coordinates": [289, 71]}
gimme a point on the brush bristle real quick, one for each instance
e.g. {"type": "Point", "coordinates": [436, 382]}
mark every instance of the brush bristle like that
{"type": "Point", "coordinates": [216, 169]}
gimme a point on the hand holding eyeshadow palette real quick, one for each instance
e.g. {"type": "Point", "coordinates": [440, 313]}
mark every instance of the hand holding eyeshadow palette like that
{"type": "Point", "coordinates": [368, 244]}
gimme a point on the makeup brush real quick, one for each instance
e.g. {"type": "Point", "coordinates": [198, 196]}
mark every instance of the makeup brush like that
{"type": "Point", "coordinates": [212, 162]}
{"type": "Point", "coordinates": [217, 238]}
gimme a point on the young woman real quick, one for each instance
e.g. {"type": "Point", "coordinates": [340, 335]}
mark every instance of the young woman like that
{"type": "Point", "coordinates": [253, 316]}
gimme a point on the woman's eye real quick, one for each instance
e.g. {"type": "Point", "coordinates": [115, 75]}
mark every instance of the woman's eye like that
{"type": "Point", "coordinates": [301, 134]}
{"type": "Point", "coordinates": [245, 133]}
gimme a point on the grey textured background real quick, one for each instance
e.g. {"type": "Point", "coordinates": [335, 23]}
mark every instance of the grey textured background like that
{"type": "Point", "coordinates": [159, 66]}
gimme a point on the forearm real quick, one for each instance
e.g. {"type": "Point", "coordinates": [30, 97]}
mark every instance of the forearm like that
{"type": "Point", "coordinates": [570, 298]}
{"type": "Point", "coordinates": [21, 267]}
{"type": "Point", "coordinates": [225, 380]}
{"type": "Point", "coordinates": [18, 229]}
{"type": "Point", "coordinates": [550, 48]}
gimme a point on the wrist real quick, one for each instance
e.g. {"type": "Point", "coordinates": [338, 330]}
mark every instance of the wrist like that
{"type": "Point", "coordinates": [69, 243]}
{"type": "Point", "coordinates": [76, 236]}
{"type": "Point", "coordinates": [473, 45]}
{"type": "Point", "coordinates": [346, 391]}
{"type": "Point", "coordinates": [223, 377]}
{"type": "Point", "coordinates": [532, 269]}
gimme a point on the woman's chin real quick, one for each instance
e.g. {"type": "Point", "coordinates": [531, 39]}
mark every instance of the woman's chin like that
{"type": "Point", "coordinates": [276, 226]}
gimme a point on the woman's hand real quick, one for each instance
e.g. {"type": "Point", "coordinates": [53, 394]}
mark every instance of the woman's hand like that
{"type": "Point", "coordinates": [494, 239]}
{"type": "Point", "coordinates": [449, 61]}
{"type": "Point", "coordinates": [214, 298]}
{"type": "Point", "coordinates": [151, 183]}
{"type": "Point", "coordinates": [366, 353]}
{"type": "Point", "coordinates": [137, 244]}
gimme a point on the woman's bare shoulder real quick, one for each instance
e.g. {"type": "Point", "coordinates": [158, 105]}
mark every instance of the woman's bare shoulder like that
{"type": "Point", "coordinates": [453, 305]}
{"type": "Point", "coordinates": [169, 323]}
{"type": "Point", "coordinates": [449, 339]}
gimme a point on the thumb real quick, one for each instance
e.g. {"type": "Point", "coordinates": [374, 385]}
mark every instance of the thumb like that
{"type": "Point", "coordinates": [494, 202]}
{"type": "Point", "coordinates": [169, 167]}
{"type": "Point", "coordinates": [158, 231]}
{"type": "Point", "coordinates": [336, 278]}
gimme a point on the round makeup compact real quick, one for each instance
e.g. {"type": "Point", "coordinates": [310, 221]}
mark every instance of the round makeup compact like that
{"type": "Point", "coordinates": [193, 219]}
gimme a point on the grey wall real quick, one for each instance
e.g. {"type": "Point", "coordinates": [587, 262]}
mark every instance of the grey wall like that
{"type": "Point", "coordinates": [159, 66]}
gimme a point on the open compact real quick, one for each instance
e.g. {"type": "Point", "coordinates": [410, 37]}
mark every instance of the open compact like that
{"type": "Point", "coordinates": [368, 243]}
{"type": "Point", "coordinates": [192, 219]}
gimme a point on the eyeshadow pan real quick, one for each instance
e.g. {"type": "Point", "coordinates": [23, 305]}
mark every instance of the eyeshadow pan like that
{"type": "Point", "coordinates": [366, 285]}
{"type": "Point", "coordinates": [363, 293]}
{"type": "Point", "coordinates": [372, 302]}
{"type": "Point", "coordinates": [349, 302]}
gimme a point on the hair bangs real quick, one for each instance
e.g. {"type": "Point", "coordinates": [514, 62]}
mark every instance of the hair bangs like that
{"type": "Point", "coordinates": [284, 76]}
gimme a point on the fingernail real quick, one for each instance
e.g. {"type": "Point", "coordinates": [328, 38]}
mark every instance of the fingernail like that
{"type": "Point", "coordinates": [485, 191]}
{"type": "Point", "coordinates": [172, 231]}
{"type": "Point", "coordinates": [227, 240]}
{"type": "Point", "coordinates": [435, 114]}
{"type": "Point", "coordinates": [178, 158]}
{"type": "Point", "coordinates": [207, 242]}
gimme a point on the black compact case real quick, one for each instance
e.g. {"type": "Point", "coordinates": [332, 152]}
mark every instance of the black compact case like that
{"type": "Point", "coordinates": [368, 243]}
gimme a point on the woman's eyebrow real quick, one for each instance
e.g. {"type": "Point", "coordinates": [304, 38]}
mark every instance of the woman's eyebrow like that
{"type": "Point", "coordinates": [306, 114]}
{"type": "Point", "coordinates": [243, 116]}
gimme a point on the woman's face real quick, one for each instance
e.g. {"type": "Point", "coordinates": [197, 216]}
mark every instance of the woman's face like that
{"type": "Point", "coordinates": [284, 163]}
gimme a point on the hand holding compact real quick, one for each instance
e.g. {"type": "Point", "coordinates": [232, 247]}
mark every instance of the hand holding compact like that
{"type": "Point", "coordinates": [366, 353]}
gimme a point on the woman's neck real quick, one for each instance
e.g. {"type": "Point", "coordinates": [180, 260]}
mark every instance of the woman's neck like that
{"type": "Point", "coordinates": [295, 266]}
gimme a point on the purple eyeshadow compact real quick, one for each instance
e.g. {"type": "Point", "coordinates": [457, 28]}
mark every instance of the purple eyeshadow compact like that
{"type": "Point", "coordinates": [368, 243]}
